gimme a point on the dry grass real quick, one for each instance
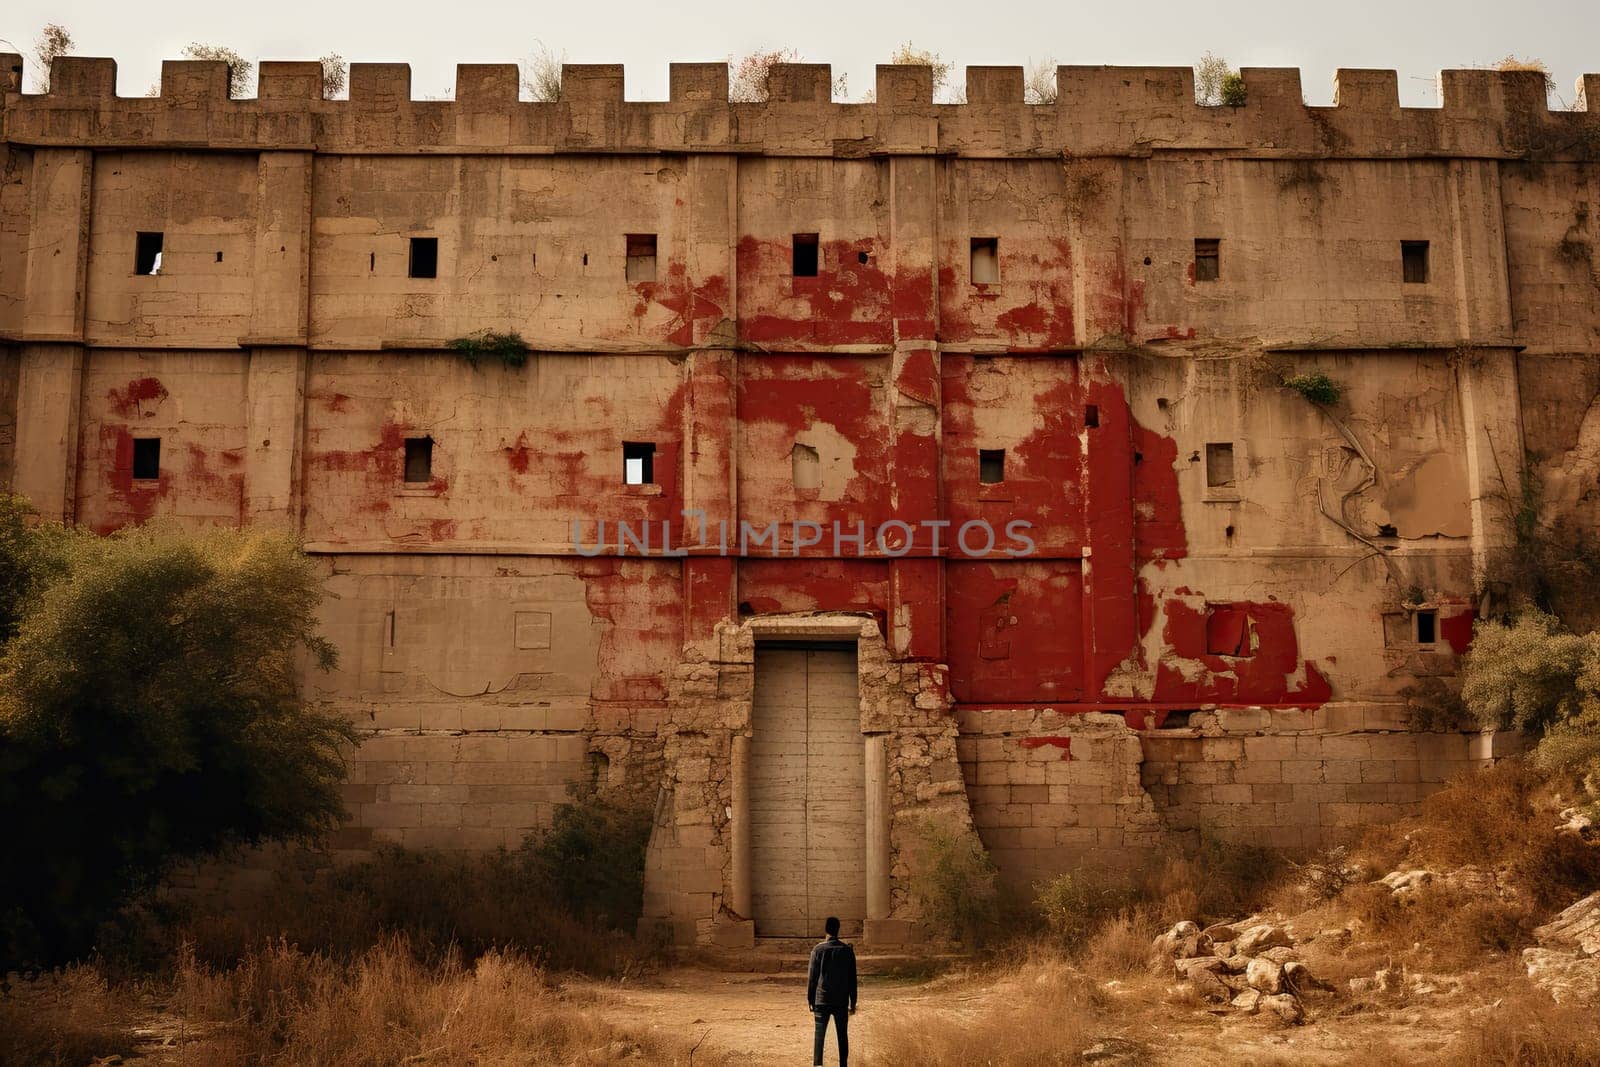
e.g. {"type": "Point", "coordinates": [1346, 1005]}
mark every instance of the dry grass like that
{"type": "Point", "coordinates": [282, 1005]}
{"type": "Point", "coordinates": [1121, 947]}
{"type": "Point", "coordinates": [1525, 1028]}
{"type": "Point", "coordinates": [1037, 1011]}
{"type": "Point", "coordinates": [386, 1007]}
{"type": "Point", "coordinates": [70, 1016]}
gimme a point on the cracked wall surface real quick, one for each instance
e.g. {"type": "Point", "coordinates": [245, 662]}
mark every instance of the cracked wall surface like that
{"type": "Point", "coordinates": [1229, 589]}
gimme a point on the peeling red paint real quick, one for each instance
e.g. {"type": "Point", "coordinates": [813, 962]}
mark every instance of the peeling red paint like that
{"type": "Point", "coordinates": [1063, 743]}
{"type": "Point", "coordinates": [139, 398]}
{"type": "Point", "coordinates": [695, 306]}
{"type": "Point", "coordinates": [1456, 629]}
{"type": "Point", "coordinates": [848, 303]}
{"type": "Point", "coordinates": [1264, 675]}
{"type": "Point", "coordinates": [772, 586]}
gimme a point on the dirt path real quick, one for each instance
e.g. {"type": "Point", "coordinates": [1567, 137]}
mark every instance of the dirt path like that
{"type": "Point", "coordinates": [757, 1019]}
{"type": "Point", "coordinates": [761, 1019]}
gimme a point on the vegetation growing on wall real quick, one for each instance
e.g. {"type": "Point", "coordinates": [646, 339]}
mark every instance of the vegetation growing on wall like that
{"type": "Point", "coordinates": [150, 713]}
{"type": "Point", "coordinates": [241, 72]}
{"type": "Point", "coordinates": [541, 75]}
{"type": "Point", "coordinates": [1315, 387]}
{"type": "Point", "coordinates": [508, 348]}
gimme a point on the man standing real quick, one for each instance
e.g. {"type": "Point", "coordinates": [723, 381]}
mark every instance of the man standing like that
{"type": "Point", "coordinates": [831, 991]}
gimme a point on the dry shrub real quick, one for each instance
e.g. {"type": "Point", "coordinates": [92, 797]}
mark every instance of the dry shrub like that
{"type": "Point", "coordinates": [1525, 1028]}
{"type": "Point", "coordinates": [1039, 1011]}
{"type": "Point", "coordinates": [1216, 881]}
{"type": "Point", "coordinates": [386, 1007]}
{"type": "Point", "coordinates": [1501, 818]}
{"type": "Point", "coordinates": [1121, 946]}
{"type": "Point", "coordinates": [66, 1016]}
{"type": "Point", "coordinates": [1454, 925]}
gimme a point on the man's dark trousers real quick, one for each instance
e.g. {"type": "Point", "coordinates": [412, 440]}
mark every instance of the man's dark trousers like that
{"type": "Point", "coordinates": [841, 1027]}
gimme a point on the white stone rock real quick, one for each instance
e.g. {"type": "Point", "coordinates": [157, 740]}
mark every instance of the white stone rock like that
{"type": "Point", "coordinates": [1406, 881]}
{"type": "Point", "coordinates": [1258, 939]}
{"type": "Point", "coordinates": [1576, 927]}
{"type": "Point", "coordinates": [1285, 1007]}
{"type": "Point", "coordinates": [1265, 975]}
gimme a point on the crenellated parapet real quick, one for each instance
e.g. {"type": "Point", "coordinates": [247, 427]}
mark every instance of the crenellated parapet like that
{"type": "Point", "coordinates": [1099, 111]}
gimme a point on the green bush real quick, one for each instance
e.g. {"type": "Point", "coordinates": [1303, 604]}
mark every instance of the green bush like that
{"type": "Point", "coordinates": [1317, 388]}
{"type": "Point", "coordinates": [592, 858]}
{"type": "Point", "coordinates": [1233, 91]}
{"type": "Point", "coordinates": [150, 713]}
{"type": "Point", "coordinates": [509, 348]}
{"type": "Point", "coordinates": [955, 883]}
{"type": "Point", "coordinates": [1075, 905]}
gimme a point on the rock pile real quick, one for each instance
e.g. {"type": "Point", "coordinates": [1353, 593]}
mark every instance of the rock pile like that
{"type": "Point", "coordinates": [1567, 961]}
{"type": "Point", "coordinates": [1252, 968]}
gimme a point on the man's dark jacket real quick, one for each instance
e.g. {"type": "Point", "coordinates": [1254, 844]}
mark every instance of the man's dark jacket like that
{"type": "Point", "coordinates": [832, 982]}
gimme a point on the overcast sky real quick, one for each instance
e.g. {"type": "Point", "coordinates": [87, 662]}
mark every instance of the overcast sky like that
{"type": "Point", "coordinates": [1415, 37]}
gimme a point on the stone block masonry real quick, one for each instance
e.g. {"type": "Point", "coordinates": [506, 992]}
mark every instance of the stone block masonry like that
{"type": "Point", "coordinates": [803, 314]}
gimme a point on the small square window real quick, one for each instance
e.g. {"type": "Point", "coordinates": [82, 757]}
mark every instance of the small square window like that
{"type": "Point", "coordinates": [806, 466]}
{"type": "Point", "coordinates": [991, 466]}
{"type": "Point", "coordinates": [1427, 627]}
{"type": "Point", "coordinates": [1414, 261]}
{"type": "Point", "coordinates": [641, 265]}
{"type": "Point", "coordinates": [985, 260]}
{"type": "Point", "coordinates": [424, 257]}
{"type": "Point", "coordinates": [419, 460]}
{"type": "Point", "coordinates": [1219, 465]}
{"type": "Point", "coordinates": [1207, 259]}
{"type": "Point", "coordinates": [146, 458]}
{"type": "Point", "coordinates": [638, 463]}
{"type": "Point", "coordinates": [805, 255]}
{"type": "Point", "coordinates": [147, 253]}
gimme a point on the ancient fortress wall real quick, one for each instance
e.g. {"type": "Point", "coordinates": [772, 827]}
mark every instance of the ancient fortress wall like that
{"type": "Point", "coordinates": [1231, 591]}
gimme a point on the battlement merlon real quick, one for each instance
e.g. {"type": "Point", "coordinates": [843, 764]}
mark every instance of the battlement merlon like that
{"type": "Point", "coordinates": [1099, 111]}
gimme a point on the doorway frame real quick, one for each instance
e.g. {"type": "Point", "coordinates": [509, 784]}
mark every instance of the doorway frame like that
{"type": "Point", "coordinates": [828, 628]}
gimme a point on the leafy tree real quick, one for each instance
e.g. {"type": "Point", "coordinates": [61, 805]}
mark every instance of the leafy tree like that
{"type": "Point", "coordinates": [1533, 674]}
{"type": "Point", "coordinates": [335, 75]}
{"type": "Point", "coordinates": [54, 40]}
{"type": "Point", "coordinates": [241, 72]}
{"type": "Point", "coordinates": [150, 714]}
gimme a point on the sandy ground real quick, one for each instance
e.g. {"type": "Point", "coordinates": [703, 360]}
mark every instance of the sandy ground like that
{"type": "Point", "coordinates": [756, 1018]}
{"type": "Point", "coordinates": [761, 1019]}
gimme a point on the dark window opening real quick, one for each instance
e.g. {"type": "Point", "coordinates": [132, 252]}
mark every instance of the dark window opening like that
{"type": "Point", "coordinates": [638, 463]}
{"type": "Point", "coordinates": [861, 258]}
{"type": "Point", "coordinates": [147, 253]}
{"type": "Point", "coordinates": [805, 255]}
{"type": "Point", "coordinates": [985, 260]}
{"type": "Point", "coordinates": [1227, 534]}
{"type": "Point", "coordinates": [372, 261]}
{"type": "Point", "coordinates": [1427, 627]}
{"type": "Point", "coordinates": [1414, 261]}
{"type": "Point", "coordinates": [419, 459]}
{"type": "Point", "coordinates": [599, 767]}
{"type": "Point", "coordinates": [991, 466]}
{"type": "Point", "coordinates": [424, 257]}
{"type": "Point", "coordinates": [1091, 415]}
{"type": "Point", "coordinates": [641, 266]}
{"type": "Point", "coordinates": [1207, 259]}
{"type": "Point", "coordinates": [219, 257]}
{"type": "Point", "coordinates": [1176, 720]}
{"type": "Point", "coordinates": [1227, 630]}
{"type": "Point", "coordinates": [1219, 465]}
{"type": "Point", "coordinates": [1388, 530]}
{"type": "Point", "coordinates": [146, 458]}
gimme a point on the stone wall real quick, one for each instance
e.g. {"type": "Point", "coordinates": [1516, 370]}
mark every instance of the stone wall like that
{"type": "Point", "coordinates": [1230, 588]}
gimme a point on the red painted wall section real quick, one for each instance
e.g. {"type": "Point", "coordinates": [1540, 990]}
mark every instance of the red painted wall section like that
{"type": "Point", "coordinates": [201, 473]}
{"type": "Point", "coordinates": [1455, 627]}
{"type": "Point", "coordinates": [695, 307]}
{"type": "Point", "coordinates": [1040, 407]}
{"type": "Point", "coordinates": [849, 302]}
{"type": "Point", "coordinates": [1030, 309]}
{"type": "Point", "coordinates": [1015, 630]}
{"type": "Point", "coordinates": [769, 586]}
{"type": "Point", "coordinates": [838, 404]}
{"type": "Point", "coordinates": [1234, 653]}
